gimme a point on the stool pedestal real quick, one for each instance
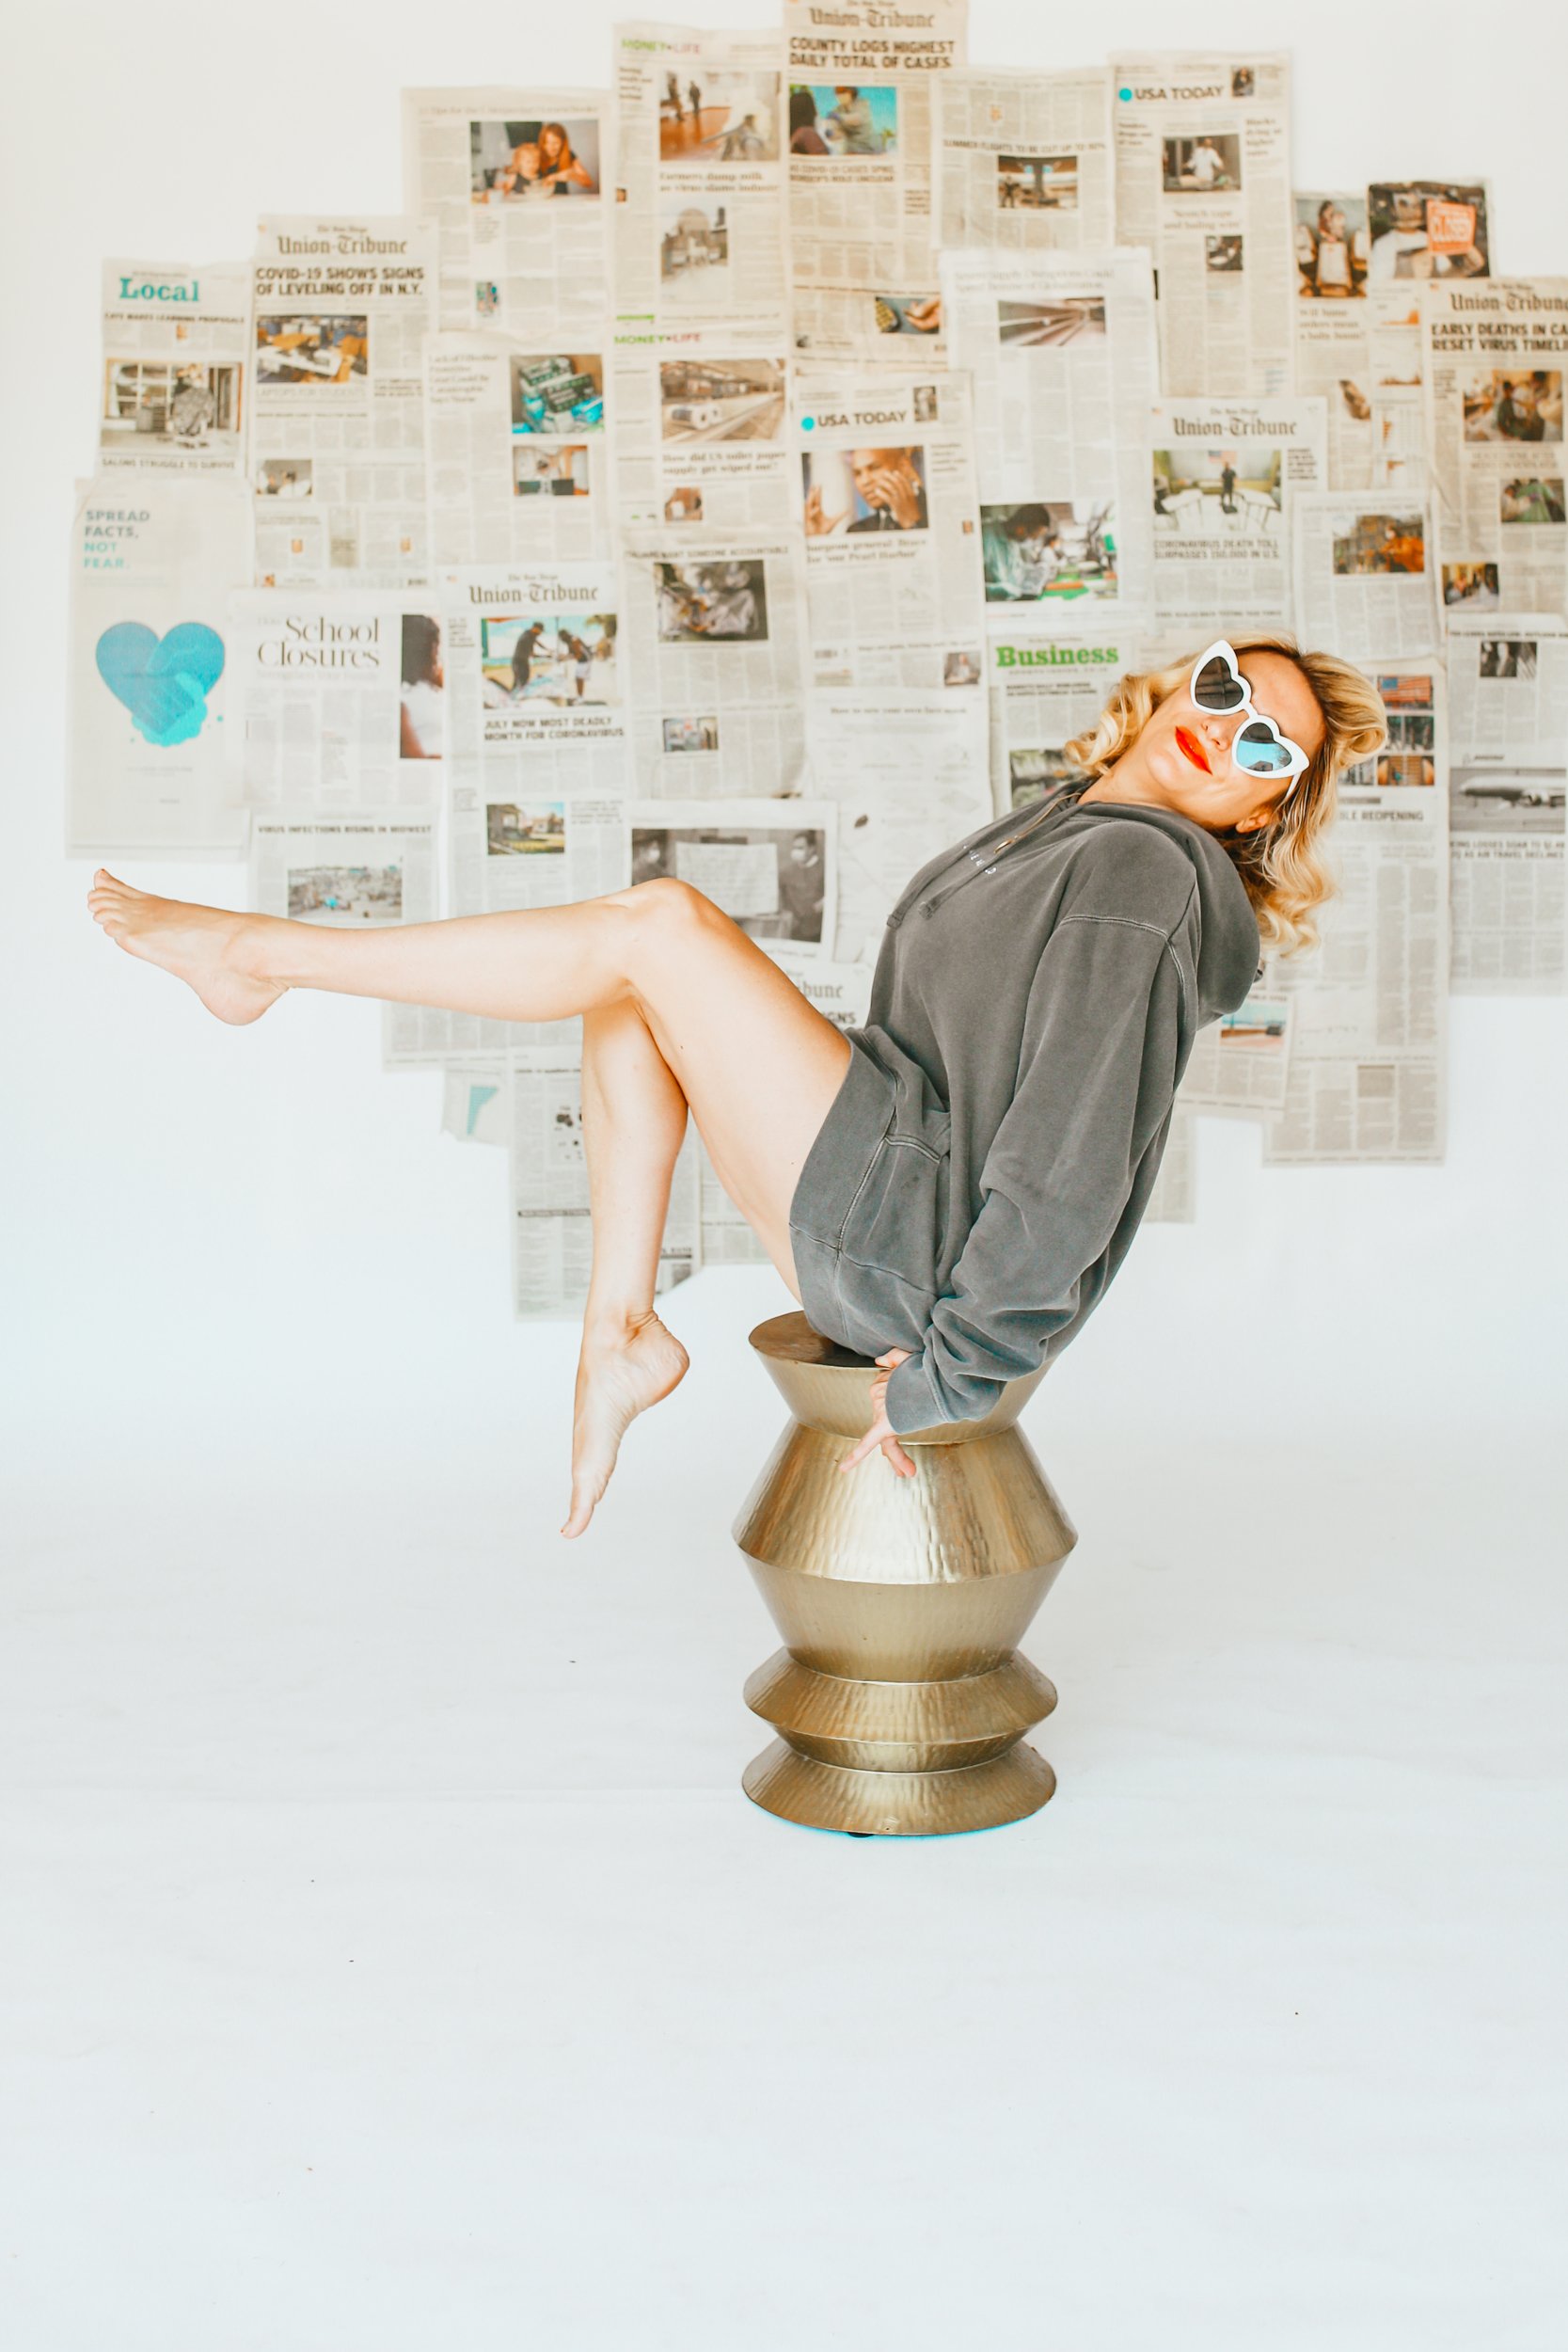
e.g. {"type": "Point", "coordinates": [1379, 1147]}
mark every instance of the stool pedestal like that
{"type": "Point", "coordinates": [900, 1698]}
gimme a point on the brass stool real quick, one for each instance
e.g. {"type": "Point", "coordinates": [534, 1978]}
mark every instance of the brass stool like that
{"type": "Point", "coordinates": [900, 1697]}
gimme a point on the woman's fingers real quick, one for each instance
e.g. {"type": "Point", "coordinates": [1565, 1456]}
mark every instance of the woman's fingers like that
{"type": "Point", "coordinates": [898, 1456]}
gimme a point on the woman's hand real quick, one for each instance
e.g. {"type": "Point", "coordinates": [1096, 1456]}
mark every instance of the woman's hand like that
{"type": "Point", "coordinates": [881, 1433]}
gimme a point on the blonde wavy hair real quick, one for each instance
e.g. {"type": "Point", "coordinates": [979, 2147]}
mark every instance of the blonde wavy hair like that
{"type": "Point", "coordinates": [1281, 866]}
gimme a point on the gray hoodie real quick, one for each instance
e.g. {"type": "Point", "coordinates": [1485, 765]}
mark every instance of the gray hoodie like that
{"type": "Point", "coordinates": [991, 1150]}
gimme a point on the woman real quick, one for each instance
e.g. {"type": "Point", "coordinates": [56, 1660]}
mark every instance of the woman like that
{"type": "Point", "coordinates": [951, 1187]}
{"type": "Point", "coordinates": [561, 169]}
{"type": "Point", "coordinates": [804, 136]}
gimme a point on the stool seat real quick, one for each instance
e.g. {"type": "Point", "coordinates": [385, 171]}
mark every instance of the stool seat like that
{"type": "Point", "coordinates": [900, 1696]}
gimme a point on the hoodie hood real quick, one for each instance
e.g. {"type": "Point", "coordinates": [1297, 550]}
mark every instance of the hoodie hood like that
{"type": "Point", "coordinates": [1230, 949]}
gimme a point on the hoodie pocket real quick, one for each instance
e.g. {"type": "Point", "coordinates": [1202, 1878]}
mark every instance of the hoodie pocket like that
{"type": "Point", "coordinates": [899, 1215]}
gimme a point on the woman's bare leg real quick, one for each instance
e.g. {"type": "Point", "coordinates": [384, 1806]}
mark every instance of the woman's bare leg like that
{"type": "Point", "coordinates": [633, 1123]}
{"type": "Point", "coordinates": [758, 1063]}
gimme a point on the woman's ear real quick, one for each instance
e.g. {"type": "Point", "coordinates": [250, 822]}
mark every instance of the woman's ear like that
{"type": "Point", "coordinates": [1256, 822]}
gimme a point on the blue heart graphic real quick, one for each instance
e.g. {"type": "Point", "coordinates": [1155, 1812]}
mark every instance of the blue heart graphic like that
{"type": "Point", "coordinates": [163, 681]}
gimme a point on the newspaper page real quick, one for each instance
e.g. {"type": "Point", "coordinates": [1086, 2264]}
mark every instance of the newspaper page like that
{"type": "Point", "coordinates": [1203, 179]}
{"type": "Point", "coordinates": [153, 560]}
{"type": "Point", "coordinates": [1365, 576]}
{"type": "Point", "coordinates": [1495, 359]}
{"type": "Point", "coordinates": [840, 992]}
{"type": "Point", "coordinates": [535, 734]}
{"type": "Point", "coordinates": [519, 469]}
{"type": "Point", "coordinates": [714, 662]}
{"type": "Point", "coordinates": [1367, 1008]}
{"type": "Point", "coordinates": [1062, 348]}
{"type": "Point", "coordinates": [699, 223]}
{"type": "Point", "coordinates": [771, 868]}
{"type": "Point", "coordinates": [1362, 257]}
{"type": "Point", "coordinates": [514, 181]}
{"type": "Point", "coordinates": [1240, 1064]}
{"type": "Point", "coordinates": [1225, 477]}
{"type": "Point", "coordinates": [887, 487]}
{"type": "Point", "coordinates": [701, 429]}
{"type": "Point", "coordinates": [1174, 1198]}
{"type": "Point", "coordinates": [1507, 684]}
{"type": "Point", "coordinates": [552, 1233]}
{"type": "Point", "coordinates": [862, 163]}
{"type": "Point", "coordinates": [341, 308]}
{"type": "Point", "coordinates": [173, 395]}
{"type": "Point", "coordinates": [350, 873]}
{"type": "Point", "coordinates": [338, 700]}
{"type": "Point", "coordinates": [1024, 160]}
{"type": "Point", "coordinates": [907, 776]}
{"type": "Point", "coordinates": [1042, 693]}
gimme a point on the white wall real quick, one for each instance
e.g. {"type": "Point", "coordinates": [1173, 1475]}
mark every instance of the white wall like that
{"type": "Point", "coordinates": [205, 1227]}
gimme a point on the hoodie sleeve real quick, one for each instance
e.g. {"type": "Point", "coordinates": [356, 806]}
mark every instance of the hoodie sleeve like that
{"type": "Point", "coordinates": [1097, 1079]}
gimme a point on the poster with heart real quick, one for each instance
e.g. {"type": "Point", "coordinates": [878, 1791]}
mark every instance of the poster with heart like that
{"type": "Point", "coordinates": [153, 564]}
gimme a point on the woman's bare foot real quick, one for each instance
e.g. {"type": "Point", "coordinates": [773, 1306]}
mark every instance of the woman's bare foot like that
{"type": "Point", "coordinates": [620, 1374]}
{"type": "Point", "coordinates": [208, 947]}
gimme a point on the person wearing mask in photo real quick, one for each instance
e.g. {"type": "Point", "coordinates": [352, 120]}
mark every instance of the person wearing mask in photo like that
{"type": "Point", "coordinates": [951, 1186]}
{"type": "Point", "coordinates": [1023, 554]}
{"type": "Point", "coordinates": [423, 681]}
{"type": "Point", "coordinates": [1330, 265]}
{"type": "Point", "coordinates": [851, 117]}
{"type": "Point", "coordinates": [804, 136]}
{"type": "Point", "coordinates": [801, 886]}
{"type": "Point", "coordinates": [524, 647]}
{"type": "Point", "coordinates": [1206, 165]}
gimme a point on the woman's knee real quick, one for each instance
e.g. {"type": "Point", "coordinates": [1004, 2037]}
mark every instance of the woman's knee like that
{"type": "Point", "coordinates": [665, 908]}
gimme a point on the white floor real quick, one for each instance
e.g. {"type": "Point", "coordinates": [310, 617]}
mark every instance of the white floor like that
{"type": "Point", "coordinates": [394, 1963]}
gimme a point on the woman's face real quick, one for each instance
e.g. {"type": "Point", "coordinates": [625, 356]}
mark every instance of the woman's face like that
{"type": "Point", "coordinates": [1183, 760]}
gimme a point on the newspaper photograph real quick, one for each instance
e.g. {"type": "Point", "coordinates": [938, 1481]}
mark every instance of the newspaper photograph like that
{"type": "Point", "coordinates": [699, 222]}
{"type": "Point", "coordinates": [153, 561]}
{"type": "Point", "coordinates": [519, 184]}
{"type": "Point", "coordinates": [1024, 161]}
{"type": "Point", "coordinates": [1226, 475]}
{"type": "Point", "coordinates": [1040, 695]}
{"type": "Point", "coordinates": [1367, 1008]}
{"type": "Point", "coordinates": [702, 429]}
{"type": "Point", "coordinates": [906, 777]}
{"type": "Point", "coordinates": [1508, 686]}
{"type": "Point", "coordinates": [714, 662]}
{"type": "Point", "coordinates": [1062, 351]}
{"type": "Point", "coordinates": [772, 869]}
{"type": "Point", "coordinates": [552, 1236]}
{"type": "Point", "coordinates": [1203, 179]}
{"type": "Point", "coordinates": [519, 467]}
{"type": "Point", "coordinates": [862, 95]}
{"type": "Point", "coordinates": [1240, 1063]}
{"type": "Point", "coordinates": [887, 503]}
{"type": "Point", "coordinates": [173, 392]}
{"type": "Point", "coordinates": [341, 310]}
{"type": "Point", "coordinates": [1496, 354]}
{"type": "Point", "coordinates": [1365, 576]}
{"type": "Point", "coordinates": [337, 703]}
{"type": "Point", "coordinates": [350, 874]}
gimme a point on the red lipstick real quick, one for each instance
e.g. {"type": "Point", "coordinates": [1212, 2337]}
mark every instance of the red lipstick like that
{"type": "Point", "coordinates": [1191, 749]}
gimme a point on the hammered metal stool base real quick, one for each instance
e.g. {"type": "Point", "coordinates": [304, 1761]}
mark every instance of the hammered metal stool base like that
{"type": "Point", "coordinates": [900, 1697]}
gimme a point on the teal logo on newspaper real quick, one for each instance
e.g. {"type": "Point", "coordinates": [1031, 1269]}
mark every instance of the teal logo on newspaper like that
{"type": "Point", "coordinates": [163, 681]}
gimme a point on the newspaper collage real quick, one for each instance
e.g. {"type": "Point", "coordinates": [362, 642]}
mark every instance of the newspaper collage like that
{"type": "Point", "coordinates": [760, 470]}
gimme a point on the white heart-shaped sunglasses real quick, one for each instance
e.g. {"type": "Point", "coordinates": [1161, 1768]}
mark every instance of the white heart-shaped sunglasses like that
{"type": "Point", "coordinates": [1259, 748]}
